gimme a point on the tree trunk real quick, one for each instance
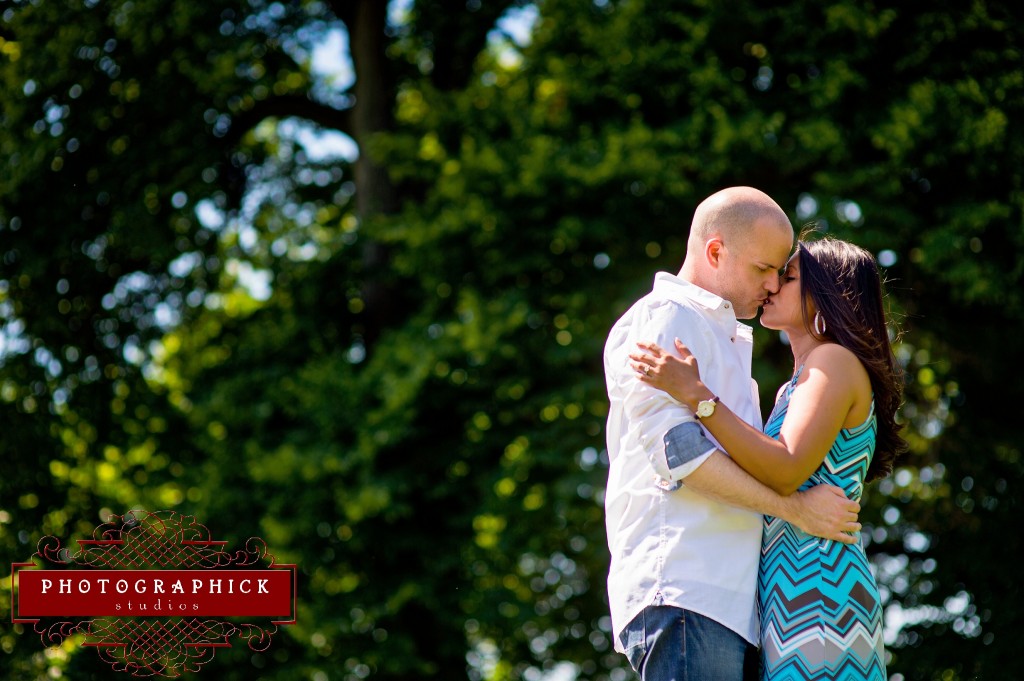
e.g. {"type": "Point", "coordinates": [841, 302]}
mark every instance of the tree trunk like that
{"type": "Point", "coordinates": [372, 113]}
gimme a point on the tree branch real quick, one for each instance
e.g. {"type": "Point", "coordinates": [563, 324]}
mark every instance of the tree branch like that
{"type": "Point", "coordinates": [457, 36]}
{"type": "Point", "coordinates": [287, 106]}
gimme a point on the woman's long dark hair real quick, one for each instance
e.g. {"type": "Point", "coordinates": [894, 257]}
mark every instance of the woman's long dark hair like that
{"type": "Point", "coordinates": [843, 282]}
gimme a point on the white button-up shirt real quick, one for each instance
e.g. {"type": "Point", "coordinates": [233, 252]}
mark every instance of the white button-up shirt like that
{"type": "Point", "coordinates": [670, 545]}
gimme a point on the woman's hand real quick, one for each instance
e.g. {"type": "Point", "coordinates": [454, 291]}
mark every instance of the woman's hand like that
{"type": "Point", "coordinates": [679, 376]}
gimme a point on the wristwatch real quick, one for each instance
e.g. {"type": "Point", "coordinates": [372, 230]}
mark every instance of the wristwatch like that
{"type": "Point", "coordinates": [706, 408]}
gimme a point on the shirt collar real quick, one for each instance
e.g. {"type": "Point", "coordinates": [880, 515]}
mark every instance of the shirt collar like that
{"type": "Point", "coordinates": [672, 286]}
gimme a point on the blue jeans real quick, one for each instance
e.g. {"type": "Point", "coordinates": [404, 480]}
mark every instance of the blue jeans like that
{"type": "Point", "coordinates": [665, 643]}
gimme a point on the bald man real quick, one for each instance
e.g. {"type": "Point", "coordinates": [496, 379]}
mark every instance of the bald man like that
{"type": "Point", "coordinates": [683, 521]}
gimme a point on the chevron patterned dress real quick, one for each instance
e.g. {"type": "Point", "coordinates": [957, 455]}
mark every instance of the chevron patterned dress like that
{"type": "Point", "coordinates": [821, 617]}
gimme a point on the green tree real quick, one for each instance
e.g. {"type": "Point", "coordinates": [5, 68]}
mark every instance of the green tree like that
{"type": "Point", "coordinates": [413, 412]}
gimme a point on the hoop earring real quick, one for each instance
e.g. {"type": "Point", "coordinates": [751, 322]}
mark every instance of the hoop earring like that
{"type": "Point", "coordinates": [819, 323]}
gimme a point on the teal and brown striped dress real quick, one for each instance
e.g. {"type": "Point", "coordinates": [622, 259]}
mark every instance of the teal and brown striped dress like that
{"type": "Point", "coordinates": [821, 617]}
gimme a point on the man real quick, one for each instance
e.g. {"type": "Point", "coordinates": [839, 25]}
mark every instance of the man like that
{"type": "Point", "coordinates": [684, 526]}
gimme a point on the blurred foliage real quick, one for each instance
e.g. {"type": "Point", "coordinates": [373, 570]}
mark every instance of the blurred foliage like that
{"type": "Point", "coordinates": [192, 315]}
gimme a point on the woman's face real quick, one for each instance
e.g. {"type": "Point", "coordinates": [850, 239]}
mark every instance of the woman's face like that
{"type": "Point", "coordinates": [783, 310]}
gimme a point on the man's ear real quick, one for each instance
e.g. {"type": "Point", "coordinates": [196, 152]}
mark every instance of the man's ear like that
{"type": "Point", "coordinates": [713, 251]}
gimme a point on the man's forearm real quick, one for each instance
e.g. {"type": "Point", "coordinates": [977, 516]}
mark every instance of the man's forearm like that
{"type": "Point", "coordinates": [823, 511]}
{"type": "Point", "coordinates": [721, 479]}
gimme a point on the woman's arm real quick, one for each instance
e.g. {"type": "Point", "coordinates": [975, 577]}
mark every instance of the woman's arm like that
{"type": "Point", "coordinates": [818, 408]}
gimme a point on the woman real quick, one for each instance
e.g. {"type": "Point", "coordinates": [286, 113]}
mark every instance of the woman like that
{"type": "Point", "coordinates": [833, 423]}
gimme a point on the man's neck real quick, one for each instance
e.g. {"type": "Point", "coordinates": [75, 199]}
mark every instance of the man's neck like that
{"type": "Point", "coordinates": [689, 273]}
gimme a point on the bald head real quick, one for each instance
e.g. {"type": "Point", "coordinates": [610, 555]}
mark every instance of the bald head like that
{"type": "Point", "coordinates": [739, 240]}
{"type": "Point", "coordinates": [732, 214]}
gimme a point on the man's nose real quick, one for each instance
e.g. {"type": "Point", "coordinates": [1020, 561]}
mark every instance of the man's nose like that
{"type": "Point", "coordinates": [773, 282]}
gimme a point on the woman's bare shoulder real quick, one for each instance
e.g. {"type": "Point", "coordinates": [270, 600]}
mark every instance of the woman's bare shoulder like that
{"type": "Point", "coordinates": [841, 369]}
{"type": "Point", "coordinates": [834, 359]}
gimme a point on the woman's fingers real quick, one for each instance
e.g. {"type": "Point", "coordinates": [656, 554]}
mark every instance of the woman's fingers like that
{"type": "Point", "coordinates": [643, 371]}
{"type": "Point", "coordinates": [644, 365]}
{"type": "Point", "coordinates": [652, 348]}
{"type": "Point", "coordinates": [641, 358]}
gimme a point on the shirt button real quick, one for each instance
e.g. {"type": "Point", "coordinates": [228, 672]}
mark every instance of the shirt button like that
{"type": "Point", "coordinates": [726, 306]}
{"type": "Point", "coordinates": [733, 339]}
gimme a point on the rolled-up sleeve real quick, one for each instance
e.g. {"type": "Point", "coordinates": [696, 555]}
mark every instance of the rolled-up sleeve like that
{"type": "Point", "coordinates": [673, 441]}
{"type": "Point", "coordinates": [686, 448]}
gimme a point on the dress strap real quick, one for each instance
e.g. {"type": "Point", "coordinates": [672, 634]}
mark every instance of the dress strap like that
{"type": "Point", "coordinates": [785, 390]}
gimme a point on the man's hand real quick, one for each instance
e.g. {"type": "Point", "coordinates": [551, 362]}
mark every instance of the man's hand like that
{"type": "Point", "coordinates": [824, 511]}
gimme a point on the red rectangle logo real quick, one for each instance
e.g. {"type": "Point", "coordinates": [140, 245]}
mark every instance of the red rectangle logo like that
{"type": "Point", "coordinates": [154, 593]}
